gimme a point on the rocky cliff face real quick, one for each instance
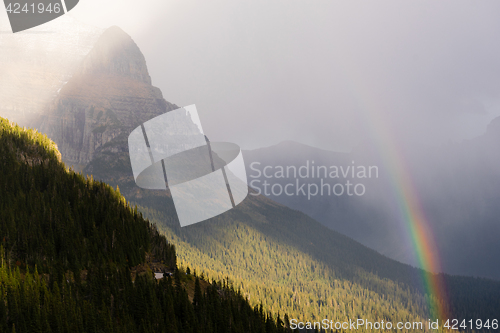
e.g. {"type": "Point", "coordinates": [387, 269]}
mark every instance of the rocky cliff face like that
{"type": "Point", "coordinates": [108, 96]}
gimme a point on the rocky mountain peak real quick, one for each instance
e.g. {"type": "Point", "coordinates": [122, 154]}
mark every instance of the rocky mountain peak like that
{"type": "Point", "coordinates": [115, 53]}
{"type": "Point", "coordinates": [107, 97]}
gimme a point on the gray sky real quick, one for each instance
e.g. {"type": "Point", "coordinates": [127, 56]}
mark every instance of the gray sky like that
{"type": "Point", "coordinates": [315, 71]}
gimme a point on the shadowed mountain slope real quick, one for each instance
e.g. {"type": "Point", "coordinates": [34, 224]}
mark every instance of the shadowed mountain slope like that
{"type": "Point", "coordinates": [458, 185]}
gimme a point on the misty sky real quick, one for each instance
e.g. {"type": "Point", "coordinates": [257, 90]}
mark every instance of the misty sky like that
{"type": "Point", "coordinates": [315, 71]}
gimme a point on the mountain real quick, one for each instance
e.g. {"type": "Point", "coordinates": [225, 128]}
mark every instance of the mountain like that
{"type": "Point", "coordinates": [273, 254]}
{"type": "Point", "coordinates": [368, 218]}
{"type": "Point", "coordinates": [458, 185]}
{"type": "Point", "coordinates": [109, 95]}
{"type": "Point", "coordinates": [76, 257]}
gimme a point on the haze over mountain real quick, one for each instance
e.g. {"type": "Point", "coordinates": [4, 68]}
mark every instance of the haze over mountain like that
{"type": "Point", "coordinates": [109, 94]}
{"type": "Point", "coordinates": [321, 71]}
{"type": "Point", "coordinates": [35, 65]}
{"type": "Point", "coordinates": [458, 185]}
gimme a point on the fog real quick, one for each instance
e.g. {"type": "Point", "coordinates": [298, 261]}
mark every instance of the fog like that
{"type": "Point", "coordinates": [262, 72]}
{"type": "Point", "coordinates": [313, 71]}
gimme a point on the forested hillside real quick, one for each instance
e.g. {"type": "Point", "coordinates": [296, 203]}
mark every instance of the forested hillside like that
{"type": "Point", "coordinates": [70, 251]}
{"type": "Point", "coordinates": [292, 264]}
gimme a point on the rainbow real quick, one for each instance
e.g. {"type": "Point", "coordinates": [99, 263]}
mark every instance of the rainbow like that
{"type": "Point", "coordinates": [418, 231]}
{"type": "Point", "coordinates": [416, 226]}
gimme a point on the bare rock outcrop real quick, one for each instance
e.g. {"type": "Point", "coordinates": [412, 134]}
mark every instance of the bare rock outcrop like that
{"type": "Point", "coordinates": [108, 96]}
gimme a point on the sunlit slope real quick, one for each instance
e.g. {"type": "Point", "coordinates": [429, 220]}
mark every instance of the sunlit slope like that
{"type": "Point", "coordinates": [292, 264]}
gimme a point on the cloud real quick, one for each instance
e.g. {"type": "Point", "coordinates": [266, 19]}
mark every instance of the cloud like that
{"type": "Point", "coordinates": [314, 71]}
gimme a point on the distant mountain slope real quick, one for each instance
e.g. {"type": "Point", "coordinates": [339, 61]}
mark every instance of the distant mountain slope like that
{"type": "Point", "coordinates": [69, 246]}
{"type": "Point", "coordinates": [458, 184]}
{"type": "Point", "coordinates": [370, 219]}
